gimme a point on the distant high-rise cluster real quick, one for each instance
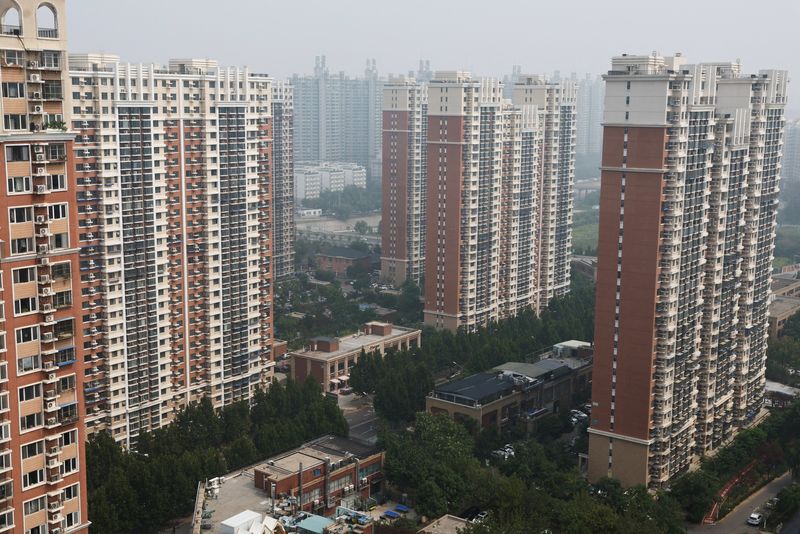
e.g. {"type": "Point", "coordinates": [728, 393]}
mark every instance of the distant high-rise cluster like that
{"type": "Point", "coordinates": [791, 152]}
{"type": "Point", "coordinates": [338, 118]}
{"type": "Point", "coordinates": [591, 91]}
{"type": "Point", "coordinates": [45, 342]}
{"type": "Point", "coordinates": [182, 171]}
{"type": "Point", "coordinates": [690, 172]}
{"type": "Point", "coordinates": [478, 194]}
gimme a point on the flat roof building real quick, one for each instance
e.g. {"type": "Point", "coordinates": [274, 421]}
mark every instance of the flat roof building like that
{"type": "Point", "coordinates": [329, 359]}
{"type": "Point", "coordinates": [517, 390]}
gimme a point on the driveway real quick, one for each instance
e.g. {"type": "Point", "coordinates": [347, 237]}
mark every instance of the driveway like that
{"type": "Point", "coordinates": [735, 521]}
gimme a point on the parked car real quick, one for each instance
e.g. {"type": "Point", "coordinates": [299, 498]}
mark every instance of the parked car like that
{"type": "Point", "coordinates": [755, 519]}
{"type": "Point", "coordinates": [480, 517]}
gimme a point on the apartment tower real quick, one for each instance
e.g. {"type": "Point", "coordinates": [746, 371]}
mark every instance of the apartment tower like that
{"type": "Point", "coordinates": [283, 226]}
{"type": "Point", "coordinates": [175, 207]}
{"type": "Point", "coordinates": [499, 202]}
{"type": "Point", "coordinates": [43, 337]}
{"type": "Point", "coordinates": [404, 177]}
{"type": "Point", "coordinates": [690, 171]}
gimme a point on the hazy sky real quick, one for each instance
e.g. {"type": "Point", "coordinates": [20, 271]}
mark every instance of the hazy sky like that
{"type": "Point", "coordinates": [486, 37]}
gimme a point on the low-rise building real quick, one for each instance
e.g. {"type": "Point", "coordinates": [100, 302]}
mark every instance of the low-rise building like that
{"type": "Point", "coordinates": [329, 359]}
{"type": "Point", "coordinates": [781, 310]}
{"type": "Point", "coordinates": [340, 259]}
{"type": "Point", "coordinates": [322, 475]}
{"type": "Point", "coordinates": [517, 391]}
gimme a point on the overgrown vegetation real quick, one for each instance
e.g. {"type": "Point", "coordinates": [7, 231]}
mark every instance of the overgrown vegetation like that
{"type": "Point", "coordinates": [348, 202]}
{"type": "Point", "coordinates": [539, 488]}
{"type": "Point", "coordinates": [143, 490]}
{"type": "Point", "coordinates": [774, 445]}
{"type": "Point", "coordinates": [401, 382]}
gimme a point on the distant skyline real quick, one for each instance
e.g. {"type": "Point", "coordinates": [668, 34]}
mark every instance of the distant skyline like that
{"type": "Point", "coordinates": [282, 38]}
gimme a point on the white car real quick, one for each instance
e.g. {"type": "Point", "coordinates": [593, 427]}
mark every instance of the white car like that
{"type": "Point", "coordinates": [755, 519]}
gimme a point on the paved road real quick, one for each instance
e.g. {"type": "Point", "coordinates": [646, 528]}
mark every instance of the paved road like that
{"type": "Point", "coordinates": [735, 521]}
{"type": "Point", "coordinates": [361, 417]}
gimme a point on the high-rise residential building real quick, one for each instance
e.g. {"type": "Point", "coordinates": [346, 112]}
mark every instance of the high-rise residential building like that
{"type": "Point", "coordinates": [690, 171]}
{"type": "Point", "coordinates": [312, 179]}
{"type": "Point", "coordinates": [404, 177]}
{"type": "Point", "coordinates": [43, 337]}
{"type": "Point", "coordinates": [338, 118]}
{"type": "Point", "coordinates": [175, 209]}
{"type": "Point", "coordinates": [590, 116]}
{"type": "Point", "coordinates": [283, 226]}
{"type": "Point", "coordinates": [499, 197]}
{"type": "Point", "coordinates": [555, 103]}
{"type": "Point", "coordinates": [791, 152]}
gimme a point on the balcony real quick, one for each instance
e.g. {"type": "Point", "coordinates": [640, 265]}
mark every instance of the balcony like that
{"type": "Point", "coordinates": [47, 33]}
{"type": "Point", "coordinates": [11, 29]}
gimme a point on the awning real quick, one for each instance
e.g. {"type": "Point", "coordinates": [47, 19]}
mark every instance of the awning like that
{"type": "Point", "coordinates": [334, 381]}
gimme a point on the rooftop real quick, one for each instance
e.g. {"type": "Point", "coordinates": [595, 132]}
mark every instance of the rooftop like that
{"type": "Point", "coordinates": [782, 306]}
{"type": "Point", "coordinates": [335, 448]}
{"type": "Point", "coordinates": [783, 281]}
{"type": "Point", "coordinates": [546, 368]}
{"type": "Point", "coordinates": [480, 387]}
{"type": "Point", "coordinates": [354, 343]}
{"type": "Point", "coordinates": [777, 387]}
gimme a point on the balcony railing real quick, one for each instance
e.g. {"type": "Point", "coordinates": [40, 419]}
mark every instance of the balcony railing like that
{"type": "Point", "coordinates": [10, 29]}
{"type": "Point", "coordinates": [48, 33]}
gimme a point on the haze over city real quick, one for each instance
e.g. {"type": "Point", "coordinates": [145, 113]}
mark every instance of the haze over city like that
{"type": "Point", "coordinates": [282, 38]}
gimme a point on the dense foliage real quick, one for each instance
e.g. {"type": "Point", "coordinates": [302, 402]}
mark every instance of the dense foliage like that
{"type": "Point", "coordinates": [774, 444]}
{"type": "Point", "coordinates": [400, 383]}
{"type": "Point", "coordinates": [348, 202]}
{"type": "Point", "coordinates": [326, 311]}
{"type": "Point", "coordinates": [783, 354]}
{"type": "Point", "coordinates": [537, 489]}
{"type": "Point", "coordinates": [141, 491]}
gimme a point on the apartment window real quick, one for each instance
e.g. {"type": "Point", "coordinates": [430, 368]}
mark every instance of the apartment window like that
{"type": "Point", "coordinates": [13, 90]}
{"type": "Point", "coordinates": [32, 478]}
{"type": "Point", "coordinates": [29, 450]}
{"type": "Point", "coordinates": [39, 529]}
{"type": "Point", "coordinates": [66, 383]}
{"type": "Point", "coordinates": [34, 391]}
{"type": "Point", "coordinates": [72, 519]}
{"type": "Point", "coordinates": [15, 122]}
{"type": "Point", "coordinates": [57, 182]}
{"type": "Point", "coordinates": [51, 59]}
{"type": "Point", "coordinates": [57, 211]}
{"type": "Point", "coordinates": [33, 506]}
{"type": "Point", "coordinates": [7, 519]}
{"type": "Point", "coordinates": [29, 422]}
{"type": "Point", "coordinates": [28, 364]}
{"type": "Point", "coordinates": [23, 245]}
{"type": "Point", "coordinates": [59, 241]}
{"type": "Point", "coordinates": [69, 493]}
{"type": "Point", "coordinates": [70, 465]}
{"type": "Point", "coordinates": [57, 151]}
{"type": "Point", "coordinates": [25, 305]}
{"type": "Point", "coordinates": [18, 153]}
{"type": "Point", "coordinates": [20, 215]}
{"type": "Point", "coordinates": [68, 438]}
{"type": "Point", "coordinates": [5, 460]}
{"type": "Point", "coordinates": [24, 275]}
{"type": "Point", "coordinates": [63, 299]}
{"type": "Point", "coordinates": [27, 334]}
{"type": "Point", "coordinates": [61, 270]}
{"type": "Point", "coordinates": [19, 184]}
{"type": "Point", "coordinates": [14, 57]}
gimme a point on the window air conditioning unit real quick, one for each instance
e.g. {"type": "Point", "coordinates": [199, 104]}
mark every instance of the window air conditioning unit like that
{"type": "Point", "coordinates": [41, 190]}
{"type": "Point", "coordinates": [40, 219]}
{"type": "Point", "coordinates": [36, 78]}
{"type": "Point", "coordinates": [37, 95]}
{"type": "Point", "coordinates": [47, 308]}
{"type": "Point", "coordinates": [40, 171]}
{"type": "Point", "coordinates": [39, 157]}
{"type": "Point", "coordinates": [34, 64]}
{"type": "Point", "coordinates": [44, 261]}
{"type": "Point", "coordinates": [44, 249]}
{"type": "Point", "coordinates": [38, 149]}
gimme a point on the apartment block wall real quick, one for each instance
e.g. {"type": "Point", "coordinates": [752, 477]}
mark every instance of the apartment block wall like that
{"type": "Point", "coordinates": [691, 160]}
{"type": "Point", "coordinates": [44, 340]}
{"type": "Point", "coordinates": [176, 168]}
